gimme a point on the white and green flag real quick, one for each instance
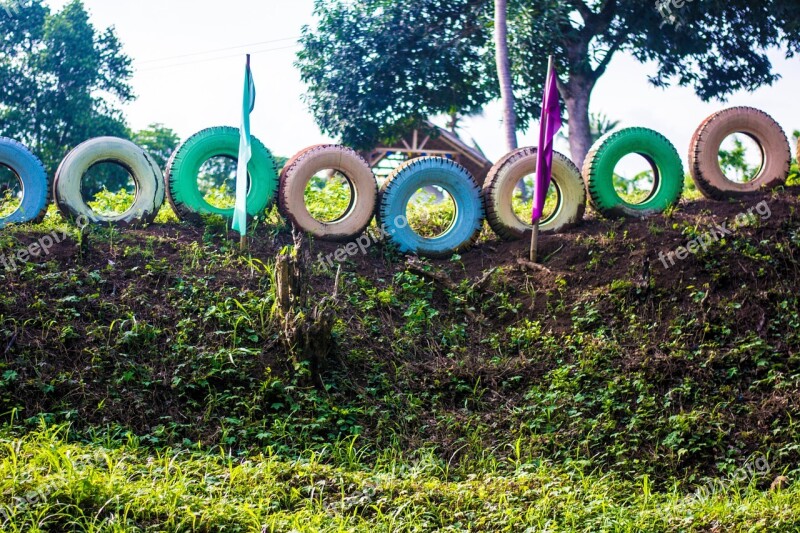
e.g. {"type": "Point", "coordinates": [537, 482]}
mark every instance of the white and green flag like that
{"type": "Point", "coordinates": [245, 152]}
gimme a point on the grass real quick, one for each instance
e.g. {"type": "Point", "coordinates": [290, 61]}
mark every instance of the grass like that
{"type": "Point", "coordinates": [523, 206]}
{"type": "Point", "coordinates": [150, 393]}
{"type": "Point", "coordinates": [115, 484]}
{"type": "Point", "coordinates": [328, 197]}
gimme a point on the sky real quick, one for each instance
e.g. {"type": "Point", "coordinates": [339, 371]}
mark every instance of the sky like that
{"type": "Point", "coordinates": [183, 86]}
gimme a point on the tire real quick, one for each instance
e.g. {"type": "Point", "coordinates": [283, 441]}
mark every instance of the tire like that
{"type": "Point", "coordinates": [183, 167]}
{"type": "Point", "coordinates": [413, 175]}
{"type": "Point", "coordinates": [363, 187]}
{"type": "Point", "coordinates": [290, 162]}
{"type": "Point", "coordinates": [598, 172]}
{"type": "Point", "coordinates": [140, 165]}
{"type": "Point", "coordinates": [33, 181]}
{"type": "Point", "coordinates": [704, 152]}
{"type": "Point", "coordinates": [502, 180]}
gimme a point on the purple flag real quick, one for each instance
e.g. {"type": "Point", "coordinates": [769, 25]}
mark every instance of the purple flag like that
{"type": "Point", "coordinates": [549, 125]}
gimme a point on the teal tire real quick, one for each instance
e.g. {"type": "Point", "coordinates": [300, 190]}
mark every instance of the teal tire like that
{"type": "Point", "coordinates": [183, 191]}
{"type": "Point", "coordinates": [598, 172]}
{"type": "Point", "coordinates": [416, 174]}
{"type": "Point", "coordinates": [32, 179]}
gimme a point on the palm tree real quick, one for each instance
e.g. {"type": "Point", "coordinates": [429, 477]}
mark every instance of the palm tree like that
{"type": "Point", "coordinates": [504, 72]}
{"type": "Point", "coordinates": [600, 124]}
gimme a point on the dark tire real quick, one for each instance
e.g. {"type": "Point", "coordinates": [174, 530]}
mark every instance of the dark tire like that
{"type": "Point", "coordinates": [704, 152]}
{"type": "Point", "coordinates": [498, 191]}
{"type": "Point", "coordinates": [416, 174]}
{"type": "Point", "coordinates": [363, 187]}
{"type": "Point", "coordinates": [598, 172]}
{"type": "Point", "coordinates": [140, 165]}
{"type": "Point", "coordinates": [33, 181]}
{"type": "Point", "coordinates": [183, 192]}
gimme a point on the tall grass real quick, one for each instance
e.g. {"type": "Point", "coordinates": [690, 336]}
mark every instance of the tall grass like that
{"type": "Point", "coordinates": [115, 484]}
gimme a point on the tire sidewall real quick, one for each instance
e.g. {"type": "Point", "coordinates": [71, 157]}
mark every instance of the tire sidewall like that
{"type": "Point", "coordinates": [758, 126]}
{"type": "Point", "coordinates": [146, 175]}
{"type": "Point", "coordinates": [610, 149]}
{"type": "Point", "coordinates": [452, 178]}
{"type": "Point", "coordinates": [304, 166]}
{"type": "Point", "coordinates": [185, 164]}
{"type": "Point", "coordinates": [503, 178]}
{"type": "Point", "coordinates": [33, 180]}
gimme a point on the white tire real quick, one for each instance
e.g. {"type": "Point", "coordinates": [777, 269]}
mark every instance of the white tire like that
{"type": "Point", "coordinates": [140, 165]}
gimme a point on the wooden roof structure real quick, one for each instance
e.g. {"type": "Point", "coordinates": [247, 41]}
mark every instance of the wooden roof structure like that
{"type": "Point", "coordinates": [431, 140]}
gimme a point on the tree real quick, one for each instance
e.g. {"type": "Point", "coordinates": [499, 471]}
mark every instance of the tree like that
{"type": "Point", "coordinates": [734, 161]}
{"type": "Point", "coordinates": [717, 47]}
{"type": "Point", "coordinates": [375, 68]}
{"type": "Point", "coordinates": [504, 73]}
{"type": "Point", "coordinates": [63, 80]}
{"type": "Point", "coordinates": [794, 173]}
{"type": "Point", "coordinates": [159, 141]}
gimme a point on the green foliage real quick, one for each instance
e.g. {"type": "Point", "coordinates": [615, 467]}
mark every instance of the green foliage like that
{"type": "Point", "coordinates": [584, 37]}
{"type": "Point", "coordinates": [63, 79]}
{"type": "Point", "coordinates": [109, 203]}
{"type": "Point", "coordinates": [10, 191]}
{"type": "Point", "coordinates": [431, 212]}
{"type": "Point", "coordinates": [794, 173]}
{"type": "Point", "coordinates": [114, 483]}
{"type": "Point", "coordinates": [636, 189]}
{"type": "Point", "coordinates": [159, 141]}
{"type": "Point", "coordinates": [375, 68]}
{"type": "Point", "coordinates": [149, 389]}
{"type": "Point", "coordinates": [523, 203]}
{"type": "Point", "coordinates": [328, 198]}
{"type": "Point", "coordinates": [734, 164]}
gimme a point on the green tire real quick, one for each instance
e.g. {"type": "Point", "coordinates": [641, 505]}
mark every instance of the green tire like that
{"type": "Point", "coordinates": [183, 192]}
{"type": "Point", "coordinates": [598, 172]}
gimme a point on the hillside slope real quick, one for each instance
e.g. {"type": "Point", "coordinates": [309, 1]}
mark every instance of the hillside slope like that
{"type": "Point", "coordinates": [603, 358]}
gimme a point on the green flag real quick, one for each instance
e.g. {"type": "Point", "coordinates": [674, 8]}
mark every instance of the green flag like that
{"type": "Point", "coordinates": [245, 152]}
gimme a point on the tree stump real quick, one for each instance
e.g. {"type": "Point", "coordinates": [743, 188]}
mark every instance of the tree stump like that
{"type": "Point", "coordinates": [306, 334]}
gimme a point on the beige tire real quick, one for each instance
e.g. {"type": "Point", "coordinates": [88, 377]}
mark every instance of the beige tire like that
{"type": "Point", "coordinates": [363, 187]}
{"type": "Point", "coordinates": [502, 180]}
{"type": "Point", "coordinates": [704, 152]}
{"type": "Point", "coordinates": [143, 169]}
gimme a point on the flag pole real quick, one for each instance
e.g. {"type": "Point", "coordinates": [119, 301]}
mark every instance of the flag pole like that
{"type": "Point", "coordinates": [535, 242]}
{"type": "Point", "coordinates": [243, 245]}
{"type": "Point", "coordinates": [535, 233]}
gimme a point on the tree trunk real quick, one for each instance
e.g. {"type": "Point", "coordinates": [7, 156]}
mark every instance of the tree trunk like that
{"type": "Point", "coordinates": [504, 72]}
{"type": "Point", "coordinates": [576, 95]}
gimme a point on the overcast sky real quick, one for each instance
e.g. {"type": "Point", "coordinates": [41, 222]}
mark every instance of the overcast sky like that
{"type": "Point", "coordinates": [182, 86]}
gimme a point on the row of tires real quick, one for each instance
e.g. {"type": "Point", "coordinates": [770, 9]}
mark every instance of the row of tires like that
{"type": "Point", "coordinates": [473, 205]}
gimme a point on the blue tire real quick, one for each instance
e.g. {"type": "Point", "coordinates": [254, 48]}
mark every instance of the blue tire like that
{"type": "Point", "coordinates": [405, 181]}
{"type": "Point", "coordinates": [33, 180]}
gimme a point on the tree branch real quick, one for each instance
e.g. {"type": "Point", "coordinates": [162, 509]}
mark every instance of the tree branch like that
{"type": "Point", "coordinates": [615, 46]}
{"type": "Point", "coordinates": [582, 9]}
